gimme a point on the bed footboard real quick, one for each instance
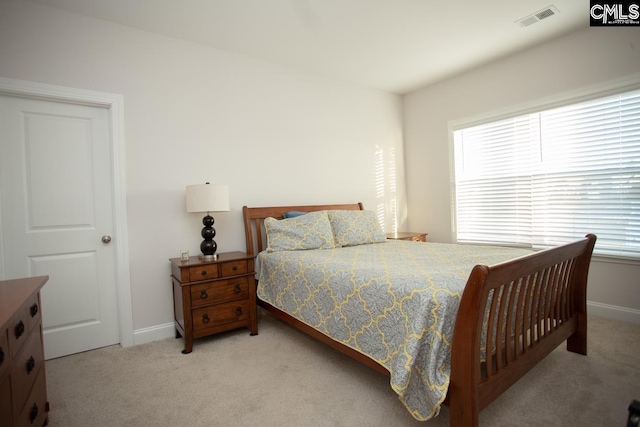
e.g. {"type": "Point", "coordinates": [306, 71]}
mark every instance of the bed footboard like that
{"type": "Point", "coordinates": [511, 316]}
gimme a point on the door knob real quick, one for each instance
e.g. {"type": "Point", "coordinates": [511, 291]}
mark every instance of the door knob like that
{"type": "Point", "coordinates": [106, 239]}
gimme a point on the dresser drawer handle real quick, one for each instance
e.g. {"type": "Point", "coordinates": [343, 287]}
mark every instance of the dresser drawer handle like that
{"type": "Point", "coordinates": [203, 294]}
{"type": "Point", "coordinates": [31, 363]}
{"type": "Point", "coordinates": [237, 289]}
{"type": "Point", "coordinates": [33, 413]}
{"type": "Point", "coordinates": [34, 310]}
{"type": "Point", "coordinates": [205, 318]}
{"type": "Point", "coordinates": [19, 329]}
{"type": "Point", "coordinates": [234, 268]}
{"type": "Point", "coordinates": [204, 272]}
{"type": "Point", "coordinates": [239, 311]}
{"type": "Point", "coordinates": [1, 355]}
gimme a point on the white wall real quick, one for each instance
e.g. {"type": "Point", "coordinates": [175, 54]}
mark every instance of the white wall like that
{"type": "Point", "coordinates": [592, 56]}
{"type": "Point", "coordinates": [196, 114]}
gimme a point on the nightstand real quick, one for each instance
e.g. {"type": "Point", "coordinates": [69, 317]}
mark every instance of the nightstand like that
{"type": "Point", "coordinates": [213, 296]}
{"type": "Point", "coordinates": [416, 237]}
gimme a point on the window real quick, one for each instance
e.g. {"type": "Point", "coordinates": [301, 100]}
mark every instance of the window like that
{"type": "Point", "coordinates": [553, 176]}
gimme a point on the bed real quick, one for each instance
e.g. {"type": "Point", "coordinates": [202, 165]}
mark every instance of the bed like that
{"type": "Point", "coordinates": [449, 324]}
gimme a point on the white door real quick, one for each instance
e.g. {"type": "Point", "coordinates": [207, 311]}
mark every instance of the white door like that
{"type": "Point", "coordinates": [56, 202]}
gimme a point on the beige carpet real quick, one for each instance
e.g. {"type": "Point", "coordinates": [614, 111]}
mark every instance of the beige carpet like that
{"type": "Point", "coordinates": [284, 378]}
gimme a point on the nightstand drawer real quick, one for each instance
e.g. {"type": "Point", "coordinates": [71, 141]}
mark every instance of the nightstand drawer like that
{"type": "Point", "coordinates": [215, 315]}
{"type": "Point", "coordinates": [220, 291]}
{"type": "Point", "coordinates": [203, 272]}
{"type": "Point", "coordinates": [233, 268]}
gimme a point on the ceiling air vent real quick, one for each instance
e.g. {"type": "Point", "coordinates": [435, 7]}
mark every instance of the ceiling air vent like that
{"type": "Point", "coordinates": [538, 16]}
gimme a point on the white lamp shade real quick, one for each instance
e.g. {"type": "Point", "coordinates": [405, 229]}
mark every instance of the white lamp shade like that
{"type": "Point", "coordinates": [207, 198]}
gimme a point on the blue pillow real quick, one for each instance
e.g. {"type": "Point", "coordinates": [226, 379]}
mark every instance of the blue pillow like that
{"type": "Point", "coordinates": [292, 214]}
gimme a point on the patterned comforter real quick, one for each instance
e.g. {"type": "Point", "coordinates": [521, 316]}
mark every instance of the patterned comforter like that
{"type": "Point", "coordinates": [395, 302]}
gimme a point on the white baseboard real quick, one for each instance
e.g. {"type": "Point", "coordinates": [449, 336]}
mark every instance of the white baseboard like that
{"type": "Point", "coordinates": [613, 312]}
{"type": "Point", "coordinates": [167, 330]}
{"type": "Point", "coordinates": [154, 333]}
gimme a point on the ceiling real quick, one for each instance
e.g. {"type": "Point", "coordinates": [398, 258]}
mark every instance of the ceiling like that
{"type": "Point", "coordinates": [392, 45]}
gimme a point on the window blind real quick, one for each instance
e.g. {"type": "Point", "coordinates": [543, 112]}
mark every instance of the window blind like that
{"type": "Point", "coordinates": [550, 177]}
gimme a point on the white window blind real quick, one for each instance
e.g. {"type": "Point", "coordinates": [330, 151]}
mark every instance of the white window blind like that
{"type": "Point", "coordinates": [553, 176]}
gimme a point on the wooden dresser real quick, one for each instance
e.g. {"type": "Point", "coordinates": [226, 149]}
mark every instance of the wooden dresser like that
{"type": "Point", "coordinates": [212, 296]}
{"type": "Point", "coordinates": [23, 391]}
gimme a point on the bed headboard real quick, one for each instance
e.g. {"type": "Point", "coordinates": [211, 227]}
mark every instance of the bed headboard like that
{"type": "Point", "coordinates": [254, 217]}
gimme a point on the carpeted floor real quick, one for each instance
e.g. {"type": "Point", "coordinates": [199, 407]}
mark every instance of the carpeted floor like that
{"type": "Point", "coordinates": [284, 378]}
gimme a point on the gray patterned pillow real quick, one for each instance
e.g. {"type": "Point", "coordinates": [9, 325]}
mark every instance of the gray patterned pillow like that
{"type": "Point", "coordinates": [352, 228]}
{"type": "Point", "coordinates": [309, 231]}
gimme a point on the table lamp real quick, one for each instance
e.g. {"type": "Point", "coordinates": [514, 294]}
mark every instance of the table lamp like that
{"type": "Point", "coordinates": [208, 198]}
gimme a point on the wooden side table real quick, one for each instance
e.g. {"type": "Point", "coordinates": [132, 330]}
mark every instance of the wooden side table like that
{"type": "Point", "coordinates": [213, 296]}
{"type": "Point", "coordinates": [416, 237]}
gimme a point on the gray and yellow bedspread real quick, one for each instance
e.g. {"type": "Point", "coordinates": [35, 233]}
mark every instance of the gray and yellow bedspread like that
{"type": "Point", "coordinates": [395, 302]}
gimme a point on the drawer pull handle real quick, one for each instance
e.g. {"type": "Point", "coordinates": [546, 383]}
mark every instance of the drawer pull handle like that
{"type": "Point", "coordinates": [203, 294]}
{"type": "Point", "coordinates": [1, 355]}
{"type": "Point", "coordinates": [31, 363]}
{"type": "Point", "coordinates": [237, 289]}
{"type": "Point", "coordinates": [204, 272]}
{"type": "Point", "coordinates": [33, 413]}
{"type": "Point", "coordinates": [19, 329]}
{"type": "Point", "coordinates": [34, 310]}
{"type": "Point", "coordinates": [205, 318]}
{"type": "Point", "coordinates": [239, 311]}
{"type": "Point", "coordinates": [234, 268]}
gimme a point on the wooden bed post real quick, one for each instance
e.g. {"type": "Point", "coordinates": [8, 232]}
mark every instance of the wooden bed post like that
{"type": "Point", "coordinates": [577, 342]}
{"type": "Point", "coordinates": [464, 403]}
{"type": "Point", "coordinates": [248, 233]}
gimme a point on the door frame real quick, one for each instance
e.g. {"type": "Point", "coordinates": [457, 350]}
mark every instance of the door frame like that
{"type": "Point", "coordinates": [115, 104]}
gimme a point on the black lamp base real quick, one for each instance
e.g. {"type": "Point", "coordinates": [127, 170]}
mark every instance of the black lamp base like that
{"type": "Point", "coordinates": [208, 245]}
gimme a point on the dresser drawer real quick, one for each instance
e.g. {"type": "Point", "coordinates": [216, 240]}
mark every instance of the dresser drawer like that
{"type": "Point", "coordinates": [22, 370]}
{"type": "Point", "coordinates": [18, 332]}
{"type": "Point", "coordinates": [34, 412]}
{"type": "Point", "coordinates": [25, 369]}
{"type": "Point", "coordinates": [33, 314]}
{"type": "Point", "coordinates": [5, 360]}
{"type": "Point", "coordinates": [213, 316]}
{"type": "Point", "coordinates": [234, 268]}
{"type": "Point", "coordinates": [22, 322]}
{"type": "Point", "coordinates": [219, 291]}
{"type": "Point", "coordinates": [203, 272]}
{"type": "Point", "coordinates": [6, 413]}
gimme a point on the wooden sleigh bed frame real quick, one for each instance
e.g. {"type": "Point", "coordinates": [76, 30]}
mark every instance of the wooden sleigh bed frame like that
{"type": "Point", "coordinates": [548, 309]}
